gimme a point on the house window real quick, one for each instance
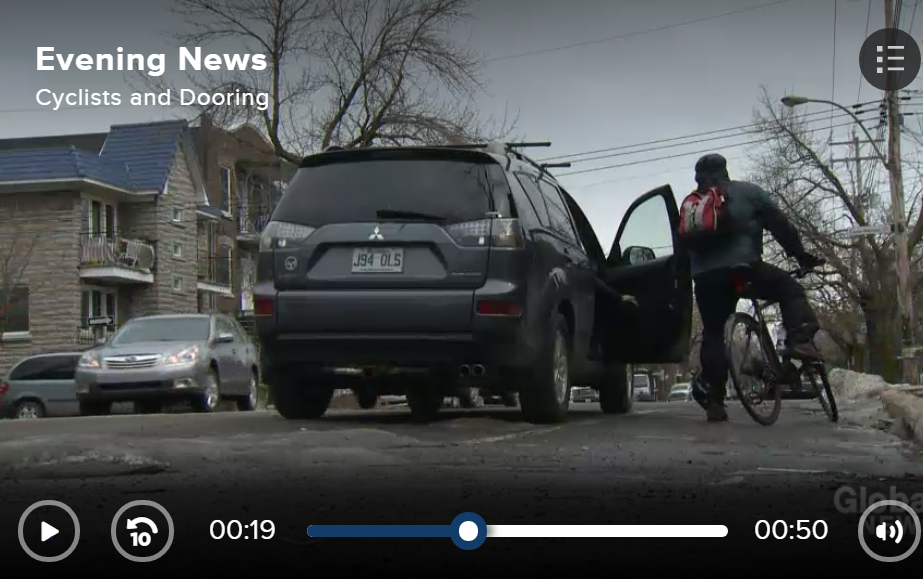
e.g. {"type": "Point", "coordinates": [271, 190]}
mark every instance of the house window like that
{"type": "Point", "coordinates": [14, 312]}
{"type": "Point", "coordinates": [226, 188]}
{"type": "Point", "coordinates": [102, 220]}
{"type": "Point", "coordinates": [208, 301]}
{"type": "Point", "coordinates": [177, 215]}
{"type": "Point", "coordinates": [177, 283]}
{"type": "Point", "coordinates": [177, 251]}
{"type": "Point", "coordinates": [97, 303]}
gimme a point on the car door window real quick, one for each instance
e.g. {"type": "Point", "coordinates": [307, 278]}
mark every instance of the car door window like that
{"type": "Point", "coordinates": [224, 326]}
{"type": "Point", "coordinates": [648, 226]}
{"type": "Point", "coordinates": [557, 212]}
{"type": "Point", "coordinates": [46, 368]}
{"type": "Point", "coordinates": [239, 330]}
{"type": "Point", "coordinates": [530, 186]}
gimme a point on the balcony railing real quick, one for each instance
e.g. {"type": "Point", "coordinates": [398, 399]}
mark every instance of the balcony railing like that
{"type": "Point", "coordinates": [100, 251]}
{"type": "Point", "coordinates": [95, 335]}
{"type": "Point", "coordinates": [215, 270]}
{"type": "Point", "coordinates": [253, 220]}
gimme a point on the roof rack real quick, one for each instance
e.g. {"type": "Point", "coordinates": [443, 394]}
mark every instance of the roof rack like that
{"type": "Point", "coordinates": [509, 148]}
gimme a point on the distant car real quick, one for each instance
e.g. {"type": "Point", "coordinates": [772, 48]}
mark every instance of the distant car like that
{"type": "Point", "coordinates": [584, 394]}
{"type": "Point", "coordinates": [199, 358]}
{"type": "Point", "coordinates": [681, 392]}
{"type": "Point", "coordinates": [41, 386]}
{"type": "Point", "coordinates": [642, 388]}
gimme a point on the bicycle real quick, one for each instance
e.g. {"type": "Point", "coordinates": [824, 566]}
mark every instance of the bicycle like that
{"type": "Point", "coordinates": [774, 369]}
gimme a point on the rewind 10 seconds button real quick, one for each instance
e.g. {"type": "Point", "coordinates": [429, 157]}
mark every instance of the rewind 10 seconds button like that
{"type": "Point", "coordinates": [142, 531]}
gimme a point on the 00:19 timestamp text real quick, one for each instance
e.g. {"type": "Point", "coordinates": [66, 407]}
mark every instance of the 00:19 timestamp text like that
{"type": "Point", "coordinates": [234, 530]}
{"type": "Point", "coordinates": [801, 529]}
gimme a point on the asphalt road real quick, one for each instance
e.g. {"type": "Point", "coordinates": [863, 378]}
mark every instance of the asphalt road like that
{"type": "Point", "coordinates": [662, 464]}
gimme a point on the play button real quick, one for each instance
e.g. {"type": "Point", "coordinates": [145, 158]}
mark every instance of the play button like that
{"type": "Point", "coordinates": [49, 531]}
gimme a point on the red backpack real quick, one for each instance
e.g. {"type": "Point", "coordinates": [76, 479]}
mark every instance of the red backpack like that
{"type": "Point", "coordinates": [702, 216]}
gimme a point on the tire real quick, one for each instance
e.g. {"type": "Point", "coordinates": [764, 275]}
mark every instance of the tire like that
{"type": "Point", "coordinates": [149, 407]}
{"type": "Point", "coordinates": [614, 389]}
{"type": "Point", "coordinates": [30, 409]}
{"type": "Point", "coordinates": [294, 401]}
{"type": "Point", "coordinates": [366, 399]}
{"type": "Point", "coordinates": [740, 319]}
{"type": "Point", "coordinates": [510, 399]}
{"type": "Point", "coordinates": [468, 397]}
{"type": "Point", "coordinates": [208, 401]}
{"type": "Point", "coordinates": [824, 392]}
{"type": "Point", "coordinates": [544, 394]}
{"type": "Point", "coordinates": [95, 408]}
{"type": "Point", "coordinates": [248, 403]}
{"type": "Point", "coordinates": [425, 401]}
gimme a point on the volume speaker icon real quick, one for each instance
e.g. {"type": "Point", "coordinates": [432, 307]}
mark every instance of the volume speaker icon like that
{"type": "Point", "coordinates": [894, 532]}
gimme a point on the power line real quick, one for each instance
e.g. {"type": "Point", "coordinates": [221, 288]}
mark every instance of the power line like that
{"type": "Point", "coordinates": [688, 136]}
{"type": "Point", "coordinates": [636, 33]}
{"type": "Point", "coordinates": [701, 152]}
{"type": "Point", "coordinates": [698, 141]}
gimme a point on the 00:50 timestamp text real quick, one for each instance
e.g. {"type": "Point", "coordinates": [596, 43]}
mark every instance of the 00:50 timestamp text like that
{"type": "Point", "coordinates": [803, 529]}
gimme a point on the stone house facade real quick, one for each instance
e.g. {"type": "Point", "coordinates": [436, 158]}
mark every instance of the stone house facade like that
{"type": "Point", "coordinates": [244, 178]}
{"type": "Point", "coordinates": [99, 229]}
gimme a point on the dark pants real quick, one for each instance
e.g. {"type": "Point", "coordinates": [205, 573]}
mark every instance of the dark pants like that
{"type": "Point", "coordinates": [717, 299]}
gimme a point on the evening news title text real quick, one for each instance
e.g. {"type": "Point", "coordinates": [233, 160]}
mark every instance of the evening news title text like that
{"type": "Point", "coordinates": [153, 65]}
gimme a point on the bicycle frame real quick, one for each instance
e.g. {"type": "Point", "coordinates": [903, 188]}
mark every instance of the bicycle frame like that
{"type": "Point", "coordinates": [776, 365]}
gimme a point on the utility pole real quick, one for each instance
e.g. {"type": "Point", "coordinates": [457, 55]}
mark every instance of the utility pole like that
{"type": "Point", "coordinates": [898, 222]}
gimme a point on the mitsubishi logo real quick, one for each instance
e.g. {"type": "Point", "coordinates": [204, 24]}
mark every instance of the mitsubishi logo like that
{"type": "Point", "coordinates": [376, 235]}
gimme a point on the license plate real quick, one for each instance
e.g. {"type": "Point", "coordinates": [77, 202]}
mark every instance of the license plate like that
{"type": "Point", "coordinates": [378, 260]}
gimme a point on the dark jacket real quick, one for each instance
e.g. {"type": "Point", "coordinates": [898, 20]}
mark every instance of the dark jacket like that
{"type": "Point", "coordinates": [751, 211]}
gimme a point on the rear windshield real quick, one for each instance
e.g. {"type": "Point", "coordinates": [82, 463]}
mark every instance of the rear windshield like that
{"type": "Point", "coordinates": [640, 381]}
{"type": "Point", "coordinates": [357, 191]}
{"type": "Point", "coordinates": [163, 330]}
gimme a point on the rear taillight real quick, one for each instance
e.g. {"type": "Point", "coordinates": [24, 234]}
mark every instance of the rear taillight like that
{"type": "Point", "coordinates": [264, 307]}
{"type": "Point", "coordinates": [283, 234]}
{"type": "Point", "coordinates": [487, 232]}
{"type": "Point", "coordinates": [497, 308]}
{"type": "Point", "coordinates": [4, 388]}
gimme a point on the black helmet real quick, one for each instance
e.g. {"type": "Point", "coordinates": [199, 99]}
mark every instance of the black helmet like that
{"type": "Point", "coordinates": [712, 164]}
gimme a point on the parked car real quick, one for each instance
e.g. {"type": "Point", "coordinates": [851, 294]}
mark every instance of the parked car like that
{"type": "Point", "coordinates": [581, 394]}
{"type": "Point", "coordinates": [41, 386]}
{"type": "Point", "coordinates": [681, 392]}
{"type": "Point", "coordinates": [643, 387]}
{"type": "Point", "coordinates": [471, 262]}
{"type": "Point", "coordinates": [199, 358]}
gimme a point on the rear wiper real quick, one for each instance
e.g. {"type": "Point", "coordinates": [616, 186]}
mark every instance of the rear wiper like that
{"type": "Point", "coordinates": [401, 214]}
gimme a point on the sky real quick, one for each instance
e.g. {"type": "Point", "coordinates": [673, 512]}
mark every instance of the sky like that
{"type": "Point", "coordinates": [663, 79]}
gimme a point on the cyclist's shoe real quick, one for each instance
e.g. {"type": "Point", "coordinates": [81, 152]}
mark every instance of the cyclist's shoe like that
{"type": "Point", "coordinates": [700, 392]}
{"type": "Point", "coordinates": [805, 351]}
{"type": "Point", "coordinates": [716, 412]}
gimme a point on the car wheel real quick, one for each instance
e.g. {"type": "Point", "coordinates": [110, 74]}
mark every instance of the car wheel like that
{"type": "Point", "coordinates": [95, 408]}
{"type": "Point", "coordinates": [248, 403]}
{"type": "Point", "coordinates": [29, 409]}
{"type": "Point", "coordinates": [468, 397]}
{"type": "Point", "coordinates": [210, 397]}
{"type": "Point", "coordinates": [425, 401]}
{"type": "Point", "coordinates": [545, 394]}
{"type": "Point", "coordinates": [510, 399]}
{"type": "Point", "coordinates": [294, 400]}
{"type": "Point", "coordinates": [149, 407]}
{"type": "Point", "coordinates": [614, 389]}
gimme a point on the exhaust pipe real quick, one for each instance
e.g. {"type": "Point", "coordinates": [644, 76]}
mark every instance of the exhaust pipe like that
{"type": "Point", "coordinates": [464, 370]}
{"type": "Point", "coordinates": [478, 370]}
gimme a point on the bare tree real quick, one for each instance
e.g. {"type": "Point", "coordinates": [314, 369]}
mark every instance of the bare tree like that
{"type": "Point", "coordinates": [823, 204]}
{"type": "Point", "coordinates": [344, 72]}
{"type": "Point", "coordinates": [16, 250]}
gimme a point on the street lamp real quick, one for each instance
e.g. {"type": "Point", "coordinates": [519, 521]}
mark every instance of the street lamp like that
{"type": "Point", "coordinates": [792, 101]}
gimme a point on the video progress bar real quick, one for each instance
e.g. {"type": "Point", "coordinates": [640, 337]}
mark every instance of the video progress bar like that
{"type": "Point", "coordinates": [522, 531]}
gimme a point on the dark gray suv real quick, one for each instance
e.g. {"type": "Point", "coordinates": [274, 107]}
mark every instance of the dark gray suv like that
{"type": "Point", "coordinates": [420, 271]}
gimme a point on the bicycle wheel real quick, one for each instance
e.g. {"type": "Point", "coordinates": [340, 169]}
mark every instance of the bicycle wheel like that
{"type": "Point", "coordinates": [824, 392]}
{"type": "Point", "coordinates": [750, 370]}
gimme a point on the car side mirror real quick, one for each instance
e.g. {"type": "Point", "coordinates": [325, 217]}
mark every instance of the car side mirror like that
{"type": "Point", "coordinates": [636, 254]}
{"type": "Point", "coordinates": [224, 338]}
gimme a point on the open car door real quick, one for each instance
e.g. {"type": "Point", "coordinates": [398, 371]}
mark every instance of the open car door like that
{"type": "Point", "coordinates": [645, 262]}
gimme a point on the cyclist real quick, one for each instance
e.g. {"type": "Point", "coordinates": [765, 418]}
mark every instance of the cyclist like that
{"type": "Point", "coordinates": [748, 211]}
